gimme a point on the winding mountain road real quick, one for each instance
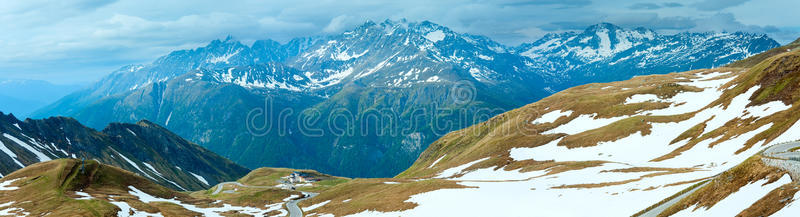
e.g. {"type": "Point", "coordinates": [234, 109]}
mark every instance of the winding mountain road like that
{"type": "Point", "coordinates": [294, 210]}
{"type": "Point", "coordinates": [782, 156]}
{"type": "Point", "coordinates": [220, 186]}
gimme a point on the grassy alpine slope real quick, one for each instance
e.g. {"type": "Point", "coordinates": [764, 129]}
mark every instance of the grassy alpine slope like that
{"type": "Point", "coordinates": [72, 187]}
{"type": "Point", "coordinates": [268, 176]}
{"type": "Point", "coordinates": [60, 187]}
{"type": "Point", "coordinates": [268, 186]}
{"type": "Point", "coordinates": [622, 144]}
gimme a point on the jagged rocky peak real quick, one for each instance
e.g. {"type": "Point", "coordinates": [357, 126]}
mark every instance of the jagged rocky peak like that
{"type": "Point", "coordinates": [7, 117]}
{"type": "Point", "coordinates": [605, 35]}
{"type": "Point", "coordinates": [270, 75]}
{"type": "Point", "coordinates": [217, 46]}
{"type": "Point", "coordinates": [602, 27]}
{"type": "Point", "coordinates": [610, 36]}
{"type": "Point", "coordinates": [611, 28]}
{"type": "Point", "coordinates": [266, 43]}
{"type": "Point", "coordinates": [399, 27]}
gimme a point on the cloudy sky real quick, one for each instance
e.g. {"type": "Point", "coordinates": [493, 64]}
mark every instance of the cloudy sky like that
{"type": "Point", "coordinates": [71, 41]}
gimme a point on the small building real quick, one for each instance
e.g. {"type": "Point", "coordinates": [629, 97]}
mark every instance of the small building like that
{"type": "Point", "coordinates": [296, 177]}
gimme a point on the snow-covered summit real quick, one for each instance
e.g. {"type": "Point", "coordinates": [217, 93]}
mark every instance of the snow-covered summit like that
{"type": "Point", "coordinates": [606, 52]}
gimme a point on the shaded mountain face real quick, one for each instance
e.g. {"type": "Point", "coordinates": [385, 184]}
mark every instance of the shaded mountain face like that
{"type": "Point", "coordinates": [143, 148]}
{"type": "Point", "coordinates": [217, 54]}
{"type": "Point", "coordinates": [710, 142]}
{"type": "Point", "coordinates": [364, 103]}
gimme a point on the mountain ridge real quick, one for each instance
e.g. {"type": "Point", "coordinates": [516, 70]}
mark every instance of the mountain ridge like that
{"type": "Point", "coordinates": [396, 66]}
{"type": "Point", "coordinates": [143, 148]}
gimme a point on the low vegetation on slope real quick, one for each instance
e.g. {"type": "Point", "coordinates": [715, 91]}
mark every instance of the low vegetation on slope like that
{"type": "Point", "coordinates": [269, 186]}
{"type": "Point", "coordinates": [268, 176]}
{"type": "Point", "coordinates": [60, 188]}
{"type": "Point", "coordinates": [71, 187]}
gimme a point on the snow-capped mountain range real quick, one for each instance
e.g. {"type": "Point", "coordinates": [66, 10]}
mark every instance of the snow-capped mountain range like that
{"type": "Point", "coordinates": [605, 52]}
{"type": "Point", "coordinates": [602, 51]}
{"type": "Point", "coordinates": [400, 66]}
{"type": "Point", "coordinates": [403, 53]}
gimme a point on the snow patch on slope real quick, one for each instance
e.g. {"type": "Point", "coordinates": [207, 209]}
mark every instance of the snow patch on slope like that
{"type": "Point", "coordinates": [39, 155]}
{"type": "Point", "coordinates": [640, 98]}
{"type": "Point", "coordinates": [583, 123]}
{"type": "Point", "coordinates": [11, 154]}
{"type": "Point", "coordinates": [200, 178]}
{"type": "Point", "coordinates": [435, 36]}
{"type": "Point", "coordinates": [5, 185]}
{"type": "Point", "coordinates": [312, 207]}
{"type": "Point", "coordinates": [552, 116]}
{"type": "Point", "coordinates": [457, 170]}
{"type": "Point", "coordinates": [437, 161]}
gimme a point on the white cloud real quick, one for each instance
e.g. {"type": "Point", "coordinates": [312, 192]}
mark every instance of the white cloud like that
{"type": "Point", "coordinates": [337, 24]}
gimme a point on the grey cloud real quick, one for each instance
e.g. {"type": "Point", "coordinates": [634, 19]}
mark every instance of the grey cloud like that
{"type": "Point", "coordinates": [654, 21]}
{"type": "Point", "coordinates": [566, 25]}
{"type": "Point", "coordinates": [654, 6]}
{"type": "Point", "coordinates": [715, 5]}
{"type": "Point", "coordinates": [546, 2]}
{"type": "Point", "coordinates": [21, 7]}
{"type": "Point", "coordinates": [91, 4]}
{"type": "Point", "coordinates": [34, 13]}
{"type": "Point", "coordinates": [645, 6]}
{"type": "Point", "coordinates": [627, 20]}
{"type": "Point", "coordinates": [727, 22]}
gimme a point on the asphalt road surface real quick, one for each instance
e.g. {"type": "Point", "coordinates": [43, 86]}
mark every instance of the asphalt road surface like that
{"type": "Point", "coordinates": [780, 156]}
{"type": "Point", "coordinates": [294, 210]}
